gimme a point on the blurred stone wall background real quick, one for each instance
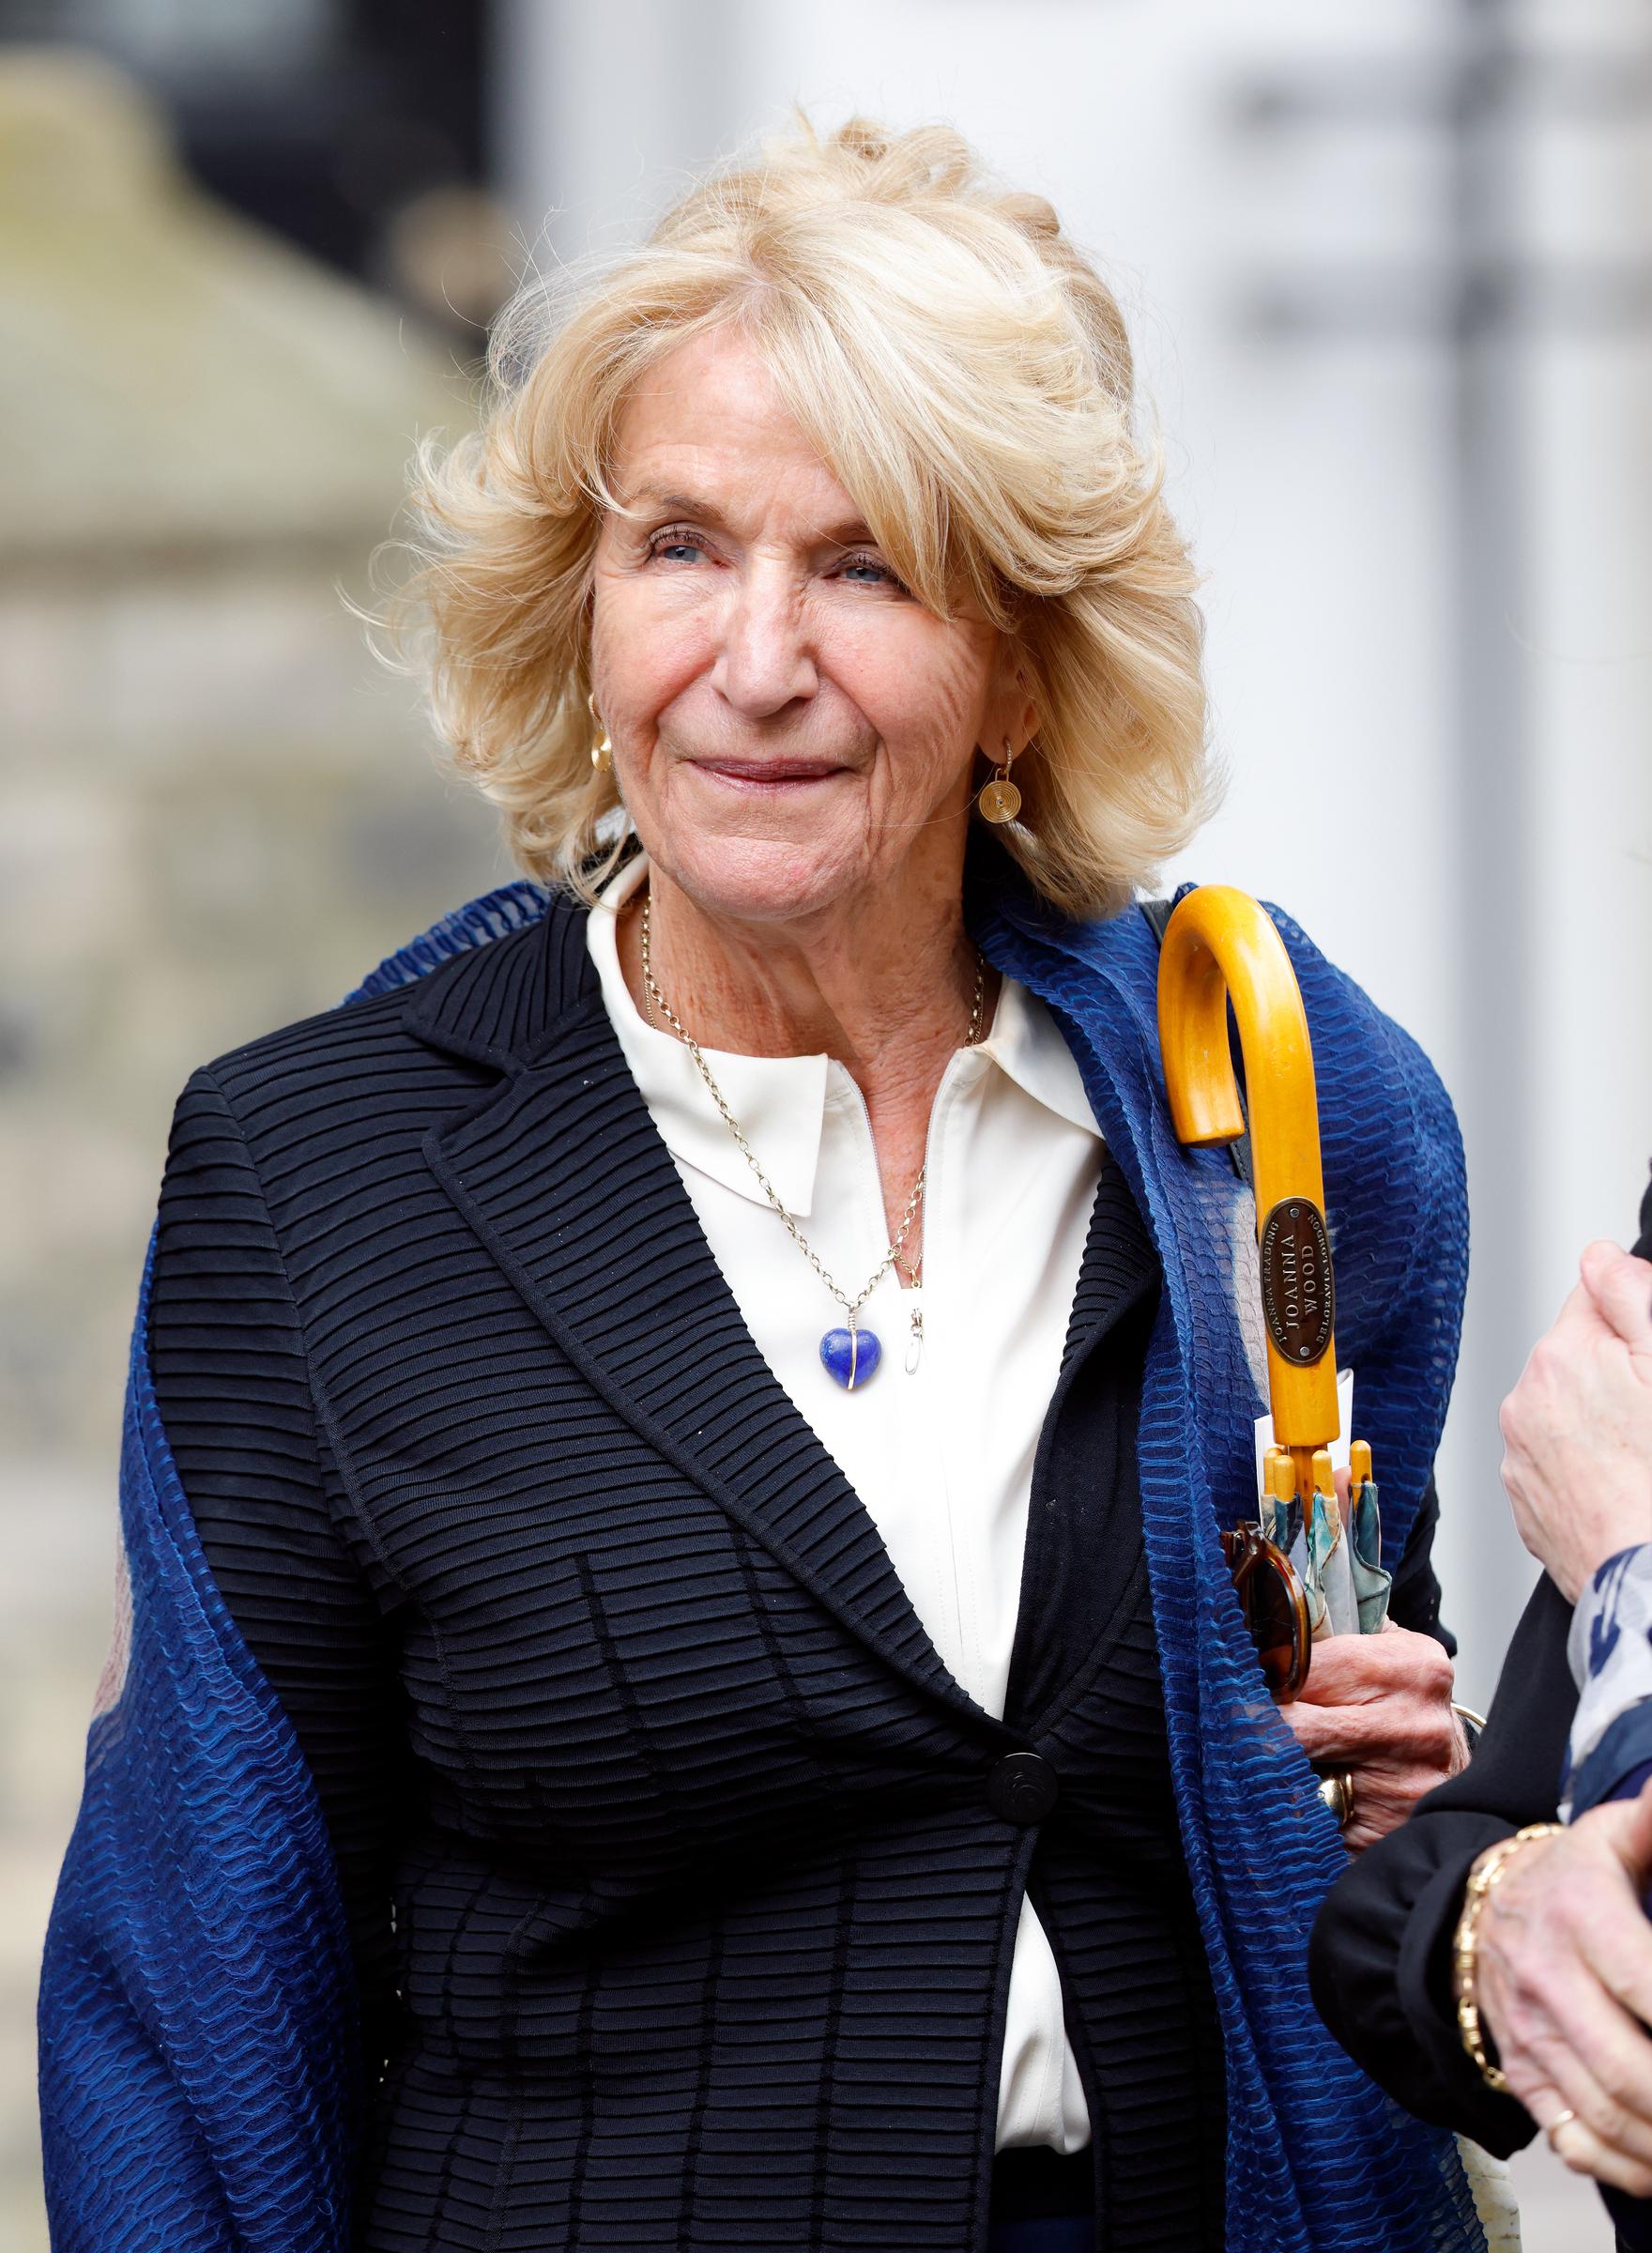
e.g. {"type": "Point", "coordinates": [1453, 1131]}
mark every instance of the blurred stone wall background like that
{"type": "Point", "coordinates": [217, 811]}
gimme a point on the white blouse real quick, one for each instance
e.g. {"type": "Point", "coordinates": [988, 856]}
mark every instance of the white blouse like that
{"type": "Point", "coordinates": [939, 1444]}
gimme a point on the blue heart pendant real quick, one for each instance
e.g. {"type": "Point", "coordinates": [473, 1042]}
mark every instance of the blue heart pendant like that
{"type": "Point", "coordinates": [850, 1356]}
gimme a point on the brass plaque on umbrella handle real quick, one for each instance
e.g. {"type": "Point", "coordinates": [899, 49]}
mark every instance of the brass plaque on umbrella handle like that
{"type": "Point", "coordinates": [1297, 1293]}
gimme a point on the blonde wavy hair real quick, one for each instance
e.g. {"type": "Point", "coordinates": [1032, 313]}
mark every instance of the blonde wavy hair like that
{"type": "Point", "coordinates": [965, 374]}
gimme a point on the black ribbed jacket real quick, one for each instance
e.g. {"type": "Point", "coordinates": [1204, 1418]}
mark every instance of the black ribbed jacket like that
{"type": "Point", "coordinates": [682, 1892]}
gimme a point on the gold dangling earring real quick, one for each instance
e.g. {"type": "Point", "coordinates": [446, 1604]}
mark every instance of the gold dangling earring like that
{"type": "Point", "coordinates": [1000, 801]}
{"type": "Point", "coordinates": [602, 751]}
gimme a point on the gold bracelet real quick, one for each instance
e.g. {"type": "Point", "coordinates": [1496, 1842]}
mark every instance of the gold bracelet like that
{"type": "Point", "coordinates": [1485, 1874]}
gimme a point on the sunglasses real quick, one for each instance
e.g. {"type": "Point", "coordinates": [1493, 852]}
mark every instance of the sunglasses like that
{"type": "Point", "coordinates": [1274, 1604]}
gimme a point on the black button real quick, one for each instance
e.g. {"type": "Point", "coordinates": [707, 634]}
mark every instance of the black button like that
{"type": "Point", "coordinates": [1021, 1788]}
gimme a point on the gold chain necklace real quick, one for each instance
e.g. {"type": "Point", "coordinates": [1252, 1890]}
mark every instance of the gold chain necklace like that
{"type": "Point", "coordinates": [850, 1355]}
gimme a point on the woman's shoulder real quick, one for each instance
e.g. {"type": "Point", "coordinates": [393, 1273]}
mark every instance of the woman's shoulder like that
{"type": "Point", "coordinates": [1390, 1145]}
{"type": "Point", "coordinates": [1353, 1037]}
{"type": "Point", "coordinates": [1374, 1078]}
{"type": "Point", "coordinates": [1328, 991]}
{"type": "Point", "coordinates": [1384, 1112]}
{"type": "Point", "coordinates": [1395, 1184]}
{"type": "Point", "coordinates": [1355, 1041]}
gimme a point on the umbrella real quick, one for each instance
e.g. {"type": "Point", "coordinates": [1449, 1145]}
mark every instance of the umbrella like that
{"type": "Point", "coordinates": [1220, 946]}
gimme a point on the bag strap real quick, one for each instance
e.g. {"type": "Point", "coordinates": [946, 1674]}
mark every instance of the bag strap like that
{"type": "Point", "coordinates": [1158, 914]}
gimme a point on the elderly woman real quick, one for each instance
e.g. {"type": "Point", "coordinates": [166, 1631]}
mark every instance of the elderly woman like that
{"type": "Point", "coordinates": [1490, 1963]}
{"type": "Point", "coordinates": [680, 1686]}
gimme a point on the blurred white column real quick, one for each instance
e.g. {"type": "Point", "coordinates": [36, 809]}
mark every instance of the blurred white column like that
{"type": "Point", "coordinates": [1587, 635]}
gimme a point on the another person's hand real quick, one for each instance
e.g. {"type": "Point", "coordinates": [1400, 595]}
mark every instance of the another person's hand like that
{"type": "Point", "coordinates": [1564, 1981]}
{"type": "Point", "coordinates": [1380, 1707]}
{"type": "Point", "coordinates": [1576, 1429]}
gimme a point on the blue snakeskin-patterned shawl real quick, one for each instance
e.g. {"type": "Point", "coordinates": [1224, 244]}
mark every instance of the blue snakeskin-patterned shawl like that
{"type": "Point", "coordinates": [199, 2085]}
{"type": "Point", "coordinates": [198, 2054]}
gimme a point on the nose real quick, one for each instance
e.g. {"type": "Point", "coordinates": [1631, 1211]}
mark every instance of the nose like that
{"type": "Point", "coordinates": [767, 658]}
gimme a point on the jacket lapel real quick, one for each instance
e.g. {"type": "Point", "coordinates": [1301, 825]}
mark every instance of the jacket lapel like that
{"type": "Point", "coordinates": [564, 1179]}
{"type": "Point", "coordinates": [1083, 1555]}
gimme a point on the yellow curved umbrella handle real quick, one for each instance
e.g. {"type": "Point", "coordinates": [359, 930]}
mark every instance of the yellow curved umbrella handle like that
{"type": "Point", "coordinates": [1219, 944]}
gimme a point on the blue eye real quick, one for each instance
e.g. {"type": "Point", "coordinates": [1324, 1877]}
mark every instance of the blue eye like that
{"type": "Point", "coordinates": [882, 575]}
{"type": "Point", "coordinates": [678, 546]}
{"type": "Point", "coordinates": [673, 545]}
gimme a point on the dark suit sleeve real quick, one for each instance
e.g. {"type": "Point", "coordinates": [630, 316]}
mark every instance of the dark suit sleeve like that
{"type": "Point", "coordinates": [1414, 1600]}
{"type": "Point", "coordinates": [1380, 1959]}
{"type": "Point", "coordinates": [232, 1384]}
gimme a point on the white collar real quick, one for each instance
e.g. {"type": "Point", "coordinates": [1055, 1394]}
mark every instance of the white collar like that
{"type": "Point", "coordinates": [780, 1101]}
{"type": "Point", "coordinates": [1027, 1047]}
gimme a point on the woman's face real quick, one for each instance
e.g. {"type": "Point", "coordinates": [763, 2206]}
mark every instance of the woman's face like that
{"type": "Point", "coordinates": [792, 731]}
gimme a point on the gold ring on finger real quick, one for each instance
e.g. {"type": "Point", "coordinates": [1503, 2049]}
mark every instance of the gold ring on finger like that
{"type": "Point", "coordinates": [1562, 2120]}
{"type": "Point", "coordinates": [1337, 1791]}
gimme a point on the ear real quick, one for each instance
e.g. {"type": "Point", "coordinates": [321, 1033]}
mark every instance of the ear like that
{"type": "Point", "coordinates": [1026, 719]}
{"type": "Point", "coordinates": [1011, 710]}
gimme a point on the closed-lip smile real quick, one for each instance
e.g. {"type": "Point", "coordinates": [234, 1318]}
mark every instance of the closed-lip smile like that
{"type": "Point", "coordinates": [769, 773]}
